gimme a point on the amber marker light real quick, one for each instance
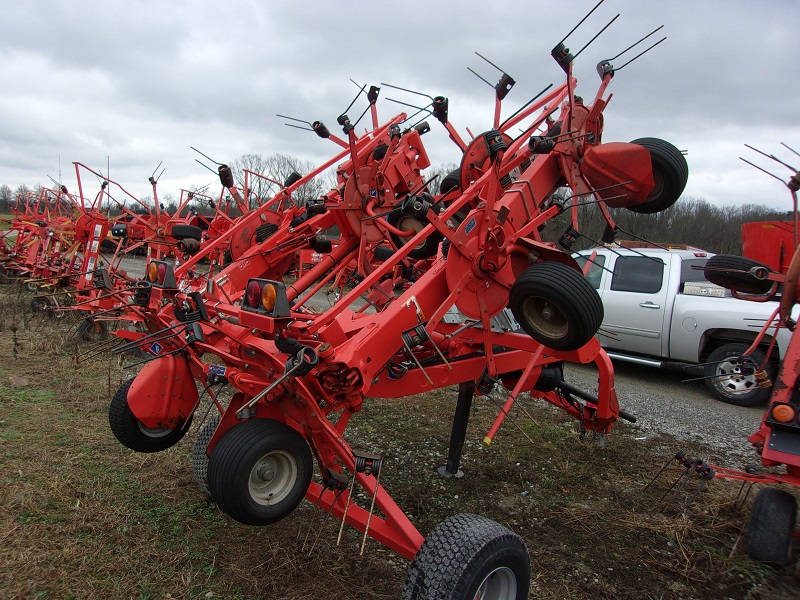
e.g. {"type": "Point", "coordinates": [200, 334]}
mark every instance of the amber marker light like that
{"type": "Point", "coordinates": [783, 413]}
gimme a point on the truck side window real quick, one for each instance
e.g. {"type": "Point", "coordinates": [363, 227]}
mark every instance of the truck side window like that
{"type": "Point", "coordinates": [595, 271]}
{"type": "Point", "coordinates": [638, 274]}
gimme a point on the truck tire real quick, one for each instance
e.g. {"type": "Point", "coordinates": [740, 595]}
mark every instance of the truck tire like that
{"type": "Point", "coordinates": [739, 273]}
{"type": "Point", "coordinates": [556, 306]}
{"type": "Point", "coordinates": [726, 380]}
{"type": "Point", "coordinates": [469, 556]}
{"type": "Point", "coordinates": [772, 521]}
{"type": "Point", "coordinates": [670, 173]}
{"type": "Point", "coordinates": [199, 457]}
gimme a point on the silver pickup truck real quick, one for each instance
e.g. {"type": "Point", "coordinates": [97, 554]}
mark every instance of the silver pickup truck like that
{"type": "Point", "coordinates": [659, 307]}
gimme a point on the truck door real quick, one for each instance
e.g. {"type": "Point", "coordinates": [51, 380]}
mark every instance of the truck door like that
{"type": "Point", "coordinates": [634, 304]}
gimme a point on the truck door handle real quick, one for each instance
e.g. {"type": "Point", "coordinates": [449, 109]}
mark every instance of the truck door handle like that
{"type": "Point", "coordinates": [649, 304]}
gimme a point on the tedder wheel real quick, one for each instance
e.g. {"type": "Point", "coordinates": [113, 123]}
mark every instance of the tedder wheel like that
{"type": "Point", "coordinates": [182, 231]}
{"type": "Point", "coordinates": [259, 471]}
{"type": "Point", "coordinates": [469, 556]}
{"type": "Point", "coordinates": [199, 456]}
{"type": "Point", "coordinates": [670, 173]}
{"type": "Point", "coordinates": [772, 521]}
{"type": "Point", "coordinates": [132, 433]}
{"type": "Point", "coordinates": [92, 330]}
{"type": "Point", "coordinates": [556, 305]}
{"type": "Point", "coordinates": [427, 247]}
{"type": "Point", "coordinates": [729, 381]}
{"type": "Point", "coordinates": [731, 271]}
{"type": "Point", "coordinates": [40, 304]}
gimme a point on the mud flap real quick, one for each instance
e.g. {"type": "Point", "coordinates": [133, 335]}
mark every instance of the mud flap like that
{"type": "Point", "coordinates": [164, 393]}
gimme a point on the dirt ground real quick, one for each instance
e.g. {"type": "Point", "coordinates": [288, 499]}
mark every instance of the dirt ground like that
{"type": "Point", "coordinates": [83, 517]}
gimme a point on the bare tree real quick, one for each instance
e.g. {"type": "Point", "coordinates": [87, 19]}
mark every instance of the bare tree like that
{"type": "Point", "coordinates": [276, 170]}
{"type": "Point", "coordinates": [6, 197]}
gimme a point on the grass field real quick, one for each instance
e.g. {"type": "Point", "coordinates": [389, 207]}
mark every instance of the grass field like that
{"type": "Point", "coordinates": [83, 517]}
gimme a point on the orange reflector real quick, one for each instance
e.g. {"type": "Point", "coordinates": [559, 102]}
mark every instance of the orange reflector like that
{"type": "Point", "coordinates": [783, 413]}
{"type": "Point", "coordinates": [152, 272]}
{"type": "Point", "coordinates": [268, 296]}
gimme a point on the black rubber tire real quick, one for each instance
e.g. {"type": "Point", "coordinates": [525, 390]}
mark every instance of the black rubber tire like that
{"type": "Point", "coordinates": [772, 520]}
{"type": "Point", "coordinates": [458, 557]}
{"type": "Point", "coordinates": [265, 231]}
{"type": "Point", "coordinates": [91, 330]}
{"type": "Point", "coordinates": [450, 182]}
{"type": "Point", "coordinates": [382, 253]}
{"type": "Point", "coordinates": [733, 272]}
{"type": "Point", "coordinates": [253, 455]}
{"type": "Point", "coordinates": [40, 304]}
{"type": "Point", "coordinates": [670, 172]}
{"type": "Point", "coordinates": [736, 389]}
{"type": "Point", "coordinates": [132, 434]}
{"type": "Point", "coordinates": [199, 456]}
{"type": "Point", "coordinates": [556, 306]}
{"type": "Point", "coordinates": [429, 245]}
{"type": "Point", "coordinates": [182, 231]}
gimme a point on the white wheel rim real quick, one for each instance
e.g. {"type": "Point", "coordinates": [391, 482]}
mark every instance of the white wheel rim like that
{"type": "Point", "coordinates": [731, 379]}
{"type": "Point", "coordinates": [272, 478]}
{"type": "Point", "coordinates": [154, 432]}
{"type": "Point", "coordinates": [500, 584]}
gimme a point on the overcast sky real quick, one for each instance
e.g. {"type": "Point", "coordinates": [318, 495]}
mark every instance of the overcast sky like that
{"type": "Point", "coordinates": [136, 83]}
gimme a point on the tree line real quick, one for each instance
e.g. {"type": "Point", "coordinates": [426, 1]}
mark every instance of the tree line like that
{"type": "Point", "coordinates": [691, 221]}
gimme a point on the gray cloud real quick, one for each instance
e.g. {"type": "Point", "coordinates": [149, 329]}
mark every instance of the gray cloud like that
{"type": "Point", "coordinates": [141, 82]}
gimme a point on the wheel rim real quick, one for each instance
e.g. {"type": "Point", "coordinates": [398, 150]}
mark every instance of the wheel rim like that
{"type": "Point", "coordinates": [658, 187]}
{"type": "Point", "coordinates": [411, 224]}
{"type": "Point", "coordinates": [155, 433]}
{"type": "Point", "coordinates": [500, 584]}
{"type": "Point", "coordinates": [731, 379]}
{"type": "Point", "coordinates": [545, 317]}
{"type": "Point", "coordinates": [272, 478]}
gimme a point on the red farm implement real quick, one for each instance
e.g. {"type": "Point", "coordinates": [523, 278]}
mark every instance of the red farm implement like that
{"type": "Point", "coordinates": [301, 372]}
{"type": "Point", "coordinates": [773, 515]}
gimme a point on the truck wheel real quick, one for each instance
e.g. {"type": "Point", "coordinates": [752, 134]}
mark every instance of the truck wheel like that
{"type": "Point", "coordinates": [132, 433]}
{"type": "Point", "coordinates": [260, 471]}
{"type": "Point", "coordinates": [199, 456]}
{"type": "Point", "coordinates": [670, 173]}
{"type": "Point", "coordinates": [729, 271]}
{"type": "Point", "coordinates": [729, 381]}
{"type": "Point", "coordinates": [556, 306]}
{"type": "Point", "coordinates": [772, 521]}
{"type": "Point", "coordinates": [469, 556]}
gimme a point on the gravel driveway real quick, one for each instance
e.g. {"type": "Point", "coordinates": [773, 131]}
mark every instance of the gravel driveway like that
{"type": "Point", "coordinates": [663, 402]}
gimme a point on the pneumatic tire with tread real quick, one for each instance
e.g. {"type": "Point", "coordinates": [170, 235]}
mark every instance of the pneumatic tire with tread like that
{"type": "Point", "coordinates": [425, 249]}
{"type": "Point", "coordinates": [260, 471]}
{"type": "Point", "coordinates": [199, 456]}
{"type": "Point", "coordinates": [670, 173]}
{"type": "Point", "coordinates": [772, 521]}
{"type": "Point", "coordinates": [132, 433]}
{"type": "Point", "coordinates": [726, 381]}
{"type": "Point", "coordinates": [734, 272]}
{"type": "Point", "coordinates": [467, 555]}
{"type": "Point", "coordinates": [556, 306]}
{"type": "Point", "coordinates": [92, 330]}
{"type": "Point", "coordinates": [182, 231]}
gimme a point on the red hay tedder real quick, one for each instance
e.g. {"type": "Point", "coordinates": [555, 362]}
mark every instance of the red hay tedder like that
{"type": "Point", "coordinates": [773, 515]}
{"type": "Point", "coordinates": [454, 288]}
